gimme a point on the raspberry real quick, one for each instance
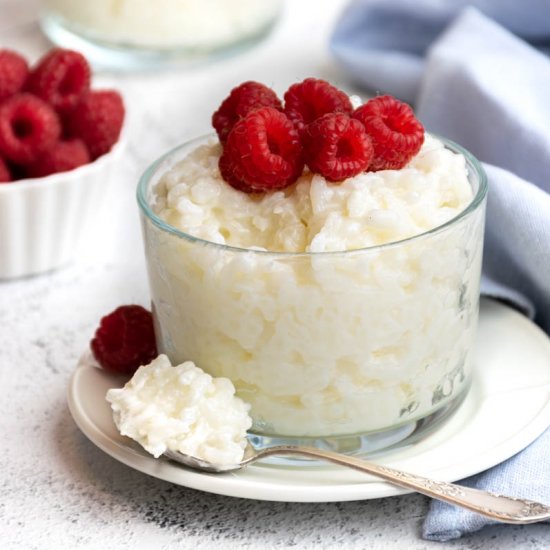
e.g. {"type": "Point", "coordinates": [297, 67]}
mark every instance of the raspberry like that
{"type": "Point", "coordinates": [5, 174]}
{"type": "Point", "coordinates": [28, 127]}
{"type": "Point", "coordinates": [395, 132]}
{"type": "Point", "coordinates": [125, 340]}
{"type": "Point", "coordinates": [62, 157]}
{"type": "Point", "coordinates": [242, 99]}
{"type": "Point", "coordinates": [97, 120]}
{"type": "Point", "coordinates": [13, 73]}
{"type": "Point", "coordinates": [225, 165]}
{"type": "Point", "coordinates": [313, 98]}
{"type": "Point", "coordinates": [263, 152]}
{"type": "Point", "coordinates": [337, 147]}
{"type": "Point", "coordinates": [62, 78]}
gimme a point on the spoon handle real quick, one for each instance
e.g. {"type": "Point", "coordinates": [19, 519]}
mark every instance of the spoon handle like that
{"type": "Point", "coordinates": [499, 507]}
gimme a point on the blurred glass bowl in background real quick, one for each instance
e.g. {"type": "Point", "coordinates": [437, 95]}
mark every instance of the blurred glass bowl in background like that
{"type": "Point", "coordinates": [140, 34]}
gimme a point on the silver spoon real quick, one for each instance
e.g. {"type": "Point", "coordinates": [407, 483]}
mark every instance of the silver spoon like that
{"type": "Point", "coordinates": [500, 507]}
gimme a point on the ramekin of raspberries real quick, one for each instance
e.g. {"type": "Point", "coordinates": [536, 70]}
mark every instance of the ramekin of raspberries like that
{"type": "Point", "coordinates": [59, 140]}
{"type": "Point", "coordinates": [268, 142]}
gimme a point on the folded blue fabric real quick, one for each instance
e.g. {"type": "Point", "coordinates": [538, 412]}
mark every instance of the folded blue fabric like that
{"type": "Point", "coordinates": [384, 42]}
{"type": "Point", "coordinates": [482, 86]}
{"type": "Point", "coordinates": [526, 475]}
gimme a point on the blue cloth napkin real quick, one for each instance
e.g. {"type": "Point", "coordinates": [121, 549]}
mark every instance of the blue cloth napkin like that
{"type": "Point", "coordinates": [384, 42]}
{"type": "Point", "coordinates": [481, 85]}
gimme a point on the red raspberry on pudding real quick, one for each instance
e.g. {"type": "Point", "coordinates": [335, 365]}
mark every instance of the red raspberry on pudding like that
{"type": "Point", "coordinates": [262, 153]}
{"type": "Point", "coordinates": [244, 98]}
{"type": "Point", "coordinates": [97, 121]}
{"type": "Point", "coordinates": [337, 147]}
{"type": "Point", "coordinates": [28, 128]}
{"type": "Point", "coordinates": [13, 73]}
{"type": "Point", "coordinates": [125, 340]}
{"type": "Point", "coordinates": [395, 132]}
{"type": "Point", "coordinates": [62, 78]}
{"type": "Point", "coordinates": [228, 173]}
{"type": "Point", "coordinates": [313, 98]}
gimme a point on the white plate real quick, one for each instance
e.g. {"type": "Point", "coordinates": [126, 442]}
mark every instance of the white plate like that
{"type": "Point", "coordinates": [507, 407]}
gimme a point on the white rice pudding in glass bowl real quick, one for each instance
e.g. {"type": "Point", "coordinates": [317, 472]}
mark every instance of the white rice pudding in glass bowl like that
{"type": "Point", "coordinates": [335, 309]}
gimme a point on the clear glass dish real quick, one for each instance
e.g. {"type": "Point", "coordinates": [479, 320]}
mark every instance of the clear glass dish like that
{"type": "Point", "coordinates": [354, 351]}
{"type": "Point", "coordinates": [141, 34]}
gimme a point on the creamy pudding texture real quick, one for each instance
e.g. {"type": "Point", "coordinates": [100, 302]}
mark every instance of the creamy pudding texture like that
{"type": "Point", "coordinates": [183, 409]}
{"type": "Point", "coordinates": [321, 344]}
{"type": "Point", "coordinates": [314, 215]}
{"type": "Point", "coordinates": [167, 23]}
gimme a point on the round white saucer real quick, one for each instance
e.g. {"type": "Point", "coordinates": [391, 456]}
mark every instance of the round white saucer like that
{"type": "Point", "coordinates": [507, 407]}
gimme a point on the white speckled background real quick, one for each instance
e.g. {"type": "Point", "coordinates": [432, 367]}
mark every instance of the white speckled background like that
{"type": "Point", "coordinates": [59, 491]}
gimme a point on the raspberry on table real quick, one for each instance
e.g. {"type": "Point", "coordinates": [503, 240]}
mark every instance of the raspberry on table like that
{"type": "Point", "coordinates": [337, 147]}
{"type": "Point", "coordinates": [62, 78]}
{"type": "Point", "coordinates": [5, 174]}
{"type": "Point", "coordinates": [14, 71]}
{"type": "Point", "coordinates": [242, 99]}
{"type": "Point", "coordinates": [28, 128]}
{"type": "Point", "coordinates": [396, 133]}
{"type": "Point", "coordinates": [125, 340]}
{"type": "Point", "coordinates": [308, 100]}
{"type": "Point", "coordinates": [97, 121]}
{"type": "Point", "coordinates": [62, 157]}
{"type": "Point", "coordinates": [263, 152]}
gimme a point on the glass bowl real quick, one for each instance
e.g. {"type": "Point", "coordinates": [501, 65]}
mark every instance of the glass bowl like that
{"type": "Point", "coordinates": [353, 351]}
{"type": "Point", "coordinates": [140, 34]}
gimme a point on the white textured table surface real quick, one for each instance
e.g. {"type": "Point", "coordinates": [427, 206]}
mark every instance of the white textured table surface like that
{"type": "Point", "coordinates": [59, 491]}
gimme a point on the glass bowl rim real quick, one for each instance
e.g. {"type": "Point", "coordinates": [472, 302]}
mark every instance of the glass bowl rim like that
{"type": "Point", "coordinates": [151, 170]}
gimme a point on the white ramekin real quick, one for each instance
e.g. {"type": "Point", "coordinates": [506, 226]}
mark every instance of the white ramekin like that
{"type": "Point", "coordinates": [42, 220]}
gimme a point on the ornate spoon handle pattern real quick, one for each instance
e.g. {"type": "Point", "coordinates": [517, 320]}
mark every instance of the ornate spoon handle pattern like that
{"type": "Point", "coordinates": [499, 507]}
